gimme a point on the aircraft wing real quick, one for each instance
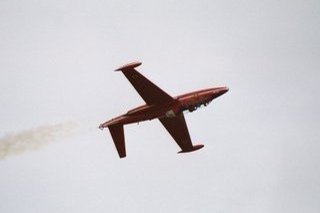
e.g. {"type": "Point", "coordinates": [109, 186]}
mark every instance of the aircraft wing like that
{"type": "Point", "coordinates": [178, 129]}
{"type": "Point", "coordinates": [149, 92]}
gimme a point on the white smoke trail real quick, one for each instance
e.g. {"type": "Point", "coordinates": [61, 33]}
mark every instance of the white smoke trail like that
{"type": "Point", "coordinates": [34, 138]}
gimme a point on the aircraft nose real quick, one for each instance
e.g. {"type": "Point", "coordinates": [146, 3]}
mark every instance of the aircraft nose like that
{"type": "Point", "coordinates": [221, 91]}
{"type": "Point", "coordinates": [224, 90]}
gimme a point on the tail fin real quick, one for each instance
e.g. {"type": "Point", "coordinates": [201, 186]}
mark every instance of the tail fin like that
{"type": "Point", "coordinates": [118, 139]}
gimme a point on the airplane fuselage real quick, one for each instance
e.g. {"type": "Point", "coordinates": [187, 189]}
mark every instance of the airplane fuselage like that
{"type": "Point", "coordinates": [159, 104]}
{"type": "Point", "coordinates": [189, 101]}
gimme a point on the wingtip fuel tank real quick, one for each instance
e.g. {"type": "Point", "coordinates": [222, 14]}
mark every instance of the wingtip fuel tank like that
{"type": "Point", "coordinates": [194, 148]}
{"type": "Point", "coordinates": [129, 66]}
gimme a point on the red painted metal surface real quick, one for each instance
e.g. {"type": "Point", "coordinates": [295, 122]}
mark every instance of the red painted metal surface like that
{"type": "Point", "coordinates": [169, 110]}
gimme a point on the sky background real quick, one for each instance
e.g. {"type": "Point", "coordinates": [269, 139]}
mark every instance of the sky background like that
{"type": "Point", "coordinates": [261, 138]}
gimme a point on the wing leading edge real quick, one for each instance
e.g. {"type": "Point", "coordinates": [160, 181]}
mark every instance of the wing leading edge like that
{"type": "Point", "coordinates": [149, 92]}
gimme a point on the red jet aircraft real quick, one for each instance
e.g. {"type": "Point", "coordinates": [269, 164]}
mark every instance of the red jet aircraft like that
{"type": "Point", "coordinates": [169, 110]}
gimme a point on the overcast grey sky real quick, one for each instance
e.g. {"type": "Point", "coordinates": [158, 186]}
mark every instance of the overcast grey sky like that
{"type": "Point", "coordinates": [261, 138]}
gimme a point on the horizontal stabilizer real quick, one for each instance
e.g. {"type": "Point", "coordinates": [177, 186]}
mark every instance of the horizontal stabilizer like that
{"type": "Point", "coordinates": [194, 148]}
{"type": "Point", "coordinates": [118, 139]}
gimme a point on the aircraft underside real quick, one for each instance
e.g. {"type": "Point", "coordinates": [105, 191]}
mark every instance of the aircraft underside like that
{"type": "Point", "coordinates": [159, 105]}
